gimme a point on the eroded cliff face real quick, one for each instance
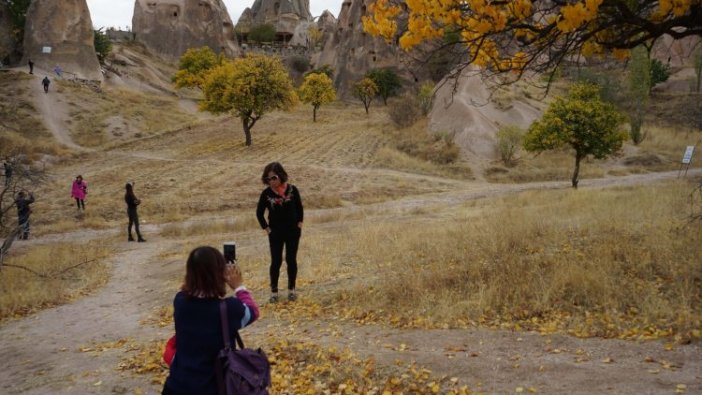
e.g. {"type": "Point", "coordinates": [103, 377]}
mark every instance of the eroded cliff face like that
{"type": "Point", "coordinates": [7, 42]}
{"type": "Point", "coordinates": [61, 33]}
{"type": "Point", "coordinates": [353, 52]}
{"type": "Point", "coordinates": [170, 27]}
{"type": "Point", "coordinates": [286, 16]}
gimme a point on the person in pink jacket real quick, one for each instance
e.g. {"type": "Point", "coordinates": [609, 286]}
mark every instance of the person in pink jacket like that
{"type": "Point", "coordinates": [78, 191]}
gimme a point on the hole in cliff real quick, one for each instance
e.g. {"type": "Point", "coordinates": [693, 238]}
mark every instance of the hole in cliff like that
{"type": "Point", "coordinates": [175, 14]}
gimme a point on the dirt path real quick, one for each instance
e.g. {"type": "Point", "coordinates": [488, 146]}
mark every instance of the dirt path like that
{"type": "Point", "coordinates": [54, 111]}
{"type": "Point", "coordinates": [42, 354]}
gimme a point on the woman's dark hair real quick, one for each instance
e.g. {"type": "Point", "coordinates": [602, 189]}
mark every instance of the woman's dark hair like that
{"type": "Point", "coordinates": [276, 168]}
{"type": "Point", "coordinates": [204, 273]}
{"type": "Point", "coordinates": [130, 191]}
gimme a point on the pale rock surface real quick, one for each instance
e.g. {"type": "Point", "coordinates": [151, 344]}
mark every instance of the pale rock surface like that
{"type": "Point", "coordinates": [61, 33]}
{"type": "Point", "coordinates": [170, 27]}
{"type": "Point", "coordinates": [352, 52]}
{"type": "Point", "coordinates": [472, 118]}
{"type": "Point", "coordinates": [286, 16]}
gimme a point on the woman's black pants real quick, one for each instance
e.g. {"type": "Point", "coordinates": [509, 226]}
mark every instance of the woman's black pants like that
{"type": "Point", "coordinates": [133, 220]}
{"type": "Point", "coordinates": [290, 240]}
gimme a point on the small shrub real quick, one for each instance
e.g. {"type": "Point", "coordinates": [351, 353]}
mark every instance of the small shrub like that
{"type": "Point", "coordinates": [426, 97]}
{"type": "Point", "coordinates": [298, 63]}
{"type": "Point", "coordinates": [405, 110]}
{"type": "Point", "coordinates": [509, 139]}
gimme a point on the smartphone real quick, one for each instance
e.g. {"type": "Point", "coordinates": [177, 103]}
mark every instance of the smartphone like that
{"type": "Point", "coordinates": [229, 251]}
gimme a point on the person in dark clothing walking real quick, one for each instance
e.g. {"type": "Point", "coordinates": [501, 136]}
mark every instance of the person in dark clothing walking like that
{"type": "Point", "coordinates": [132, 203]}
{"type": "Point", "coordinates": [23, 210]}
{"type": "Point", "coordinates": [31, 66]}
{"type": "Point", "coordinates": [284, 225]}
{"type": "Point", "coordinates": [46, 81]}
{"type": "Point", "coordinates": [8, 172]}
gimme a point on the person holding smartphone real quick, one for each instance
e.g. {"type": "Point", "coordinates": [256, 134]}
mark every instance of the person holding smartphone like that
{"type": "Point", "coordinates": [284, 224]}
{"type": "Point", "coordinates": [132, 204]}
{"type": "Point", "coordinates": [197, 320]}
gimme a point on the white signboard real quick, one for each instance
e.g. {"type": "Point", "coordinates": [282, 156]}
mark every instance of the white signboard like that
{"type": "Point", "coordinates": [46, 50]}
{"type": "Point", "coordinates": [687, 158]}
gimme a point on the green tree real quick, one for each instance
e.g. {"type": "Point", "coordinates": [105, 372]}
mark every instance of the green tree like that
{"type": "Point", "coordinates": [697, 64]}
{"type": "Point", "coordinates": [659, 72]}
{"type": "Point", "coordinates": [639, 79]}
{"type": "Point", "coordinates": [317, 89]}
{"type": "Point", "coordinates": [509, 139]}
{"type": "Point", "coordinates": [582, 121]}
{"type": "Point", "coordinates": [426, 96]}
{"type": "Point", "coordinates": [249, 88]}
{"type": "Point", "coordinates": [387, 81]}
{"type": "Point", "coordinates": [103, 45]}
{"type": "Point", "coordinates": [324, 69]}
{"type": "Point", "coordinates": [194, 66]}
{"type": "Point", "coordinates": [365, 90]}
{"type": "Point", "coordinates": [262, 33]}
{"type": "Point", "coordinates": [18, 14]}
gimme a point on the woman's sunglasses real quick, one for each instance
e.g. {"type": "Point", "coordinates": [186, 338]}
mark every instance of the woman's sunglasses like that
{"type": "Point", "coordinates": [272, 178]}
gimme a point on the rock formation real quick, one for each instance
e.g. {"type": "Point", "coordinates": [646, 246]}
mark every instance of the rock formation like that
{"type": "Point", "coordinates": [352, 52]}
{"type": "Point", "coordinates": [7, 43]}
{"type": "Point", "coordinates": [472, 115]}
{"type": "Point", "coordinates": [61, 33]}
{"type": "Point", "coordinates": [286, 16]}
{"type": "Point", "coordinates": [170, 27]}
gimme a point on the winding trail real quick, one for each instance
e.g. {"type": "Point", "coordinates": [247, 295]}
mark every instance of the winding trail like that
{"type": "Point", "coordinates": [42, 353]}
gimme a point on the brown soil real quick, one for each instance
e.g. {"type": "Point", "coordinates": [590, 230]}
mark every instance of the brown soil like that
{"type": "Point", "coordinates": [41, 354]}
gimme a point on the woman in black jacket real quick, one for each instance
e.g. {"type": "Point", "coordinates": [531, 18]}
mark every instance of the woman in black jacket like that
{"type": "Point", "coordinates": [132, 203]}
{"type": "Point", "coordinates": [284, 225]}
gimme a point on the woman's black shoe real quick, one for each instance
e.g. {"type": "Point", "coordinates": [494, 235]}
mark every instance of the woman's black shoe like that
{"type": "Point", "coordinates": [141, 240]}
{"type": "Point", "coordinates": [130, 238]}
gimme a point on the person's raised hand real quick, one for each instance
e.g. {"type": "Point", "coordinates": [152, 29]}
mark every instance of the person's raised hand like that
{"type": "Point", "coordinates": [232, 275]}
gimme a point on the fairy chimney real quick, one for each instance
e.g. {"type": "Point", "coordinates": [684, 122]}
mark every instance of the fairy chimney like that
{"type": "Point", "coordinates": [286, 16]}
{"type": "Point", "coordinates": [170, 27]}
{"type": "Point", "coordinates": [61, 33]}
{"type": "Point", "coordinates": [352, 52]}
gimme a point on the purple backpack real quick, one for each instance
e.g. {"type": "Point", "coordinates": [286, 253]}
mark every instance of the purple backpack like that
{"type": "Point", "coordinates": [240, 371]}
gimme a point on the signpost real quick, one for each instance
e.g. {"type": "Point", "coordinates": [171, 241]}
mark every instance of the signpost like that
{"type": "Point", "coordinates": [686, 160]}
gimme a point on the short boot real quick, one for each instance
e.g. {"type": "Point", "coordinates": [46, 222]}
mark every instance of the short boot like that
{"type": "Point", "coordinates": [130, 238]}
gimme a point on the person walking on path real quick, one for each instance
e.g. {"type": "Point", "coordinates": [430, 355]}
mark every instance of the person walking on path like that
{"type": "Point", "coordinates": [31, 66]}
{"type": "Point", "coordinates": [46, 81]}
{"type": "Point", "coordinates": [132, 203]}
{"type": "Point", "coordinates": [58, 71]}
{"type": "Point", "coordinates": [23, 211]}
{"type": "Point", "coordinates": [78, 191]}
{"type": "Point", "coordinates": [8, 172]}
{"type": "Point", "coordinates": [284, 225]}
{"type": "Point", "coordinates": [198, 323]}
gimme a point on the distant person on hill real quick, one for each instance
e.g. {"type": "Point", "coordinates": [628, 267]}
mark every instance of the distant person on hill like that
{"type": "Point", "coordinates": [132, 203]}
{"type": "Point", "coordinates": [284, 225]}
{"type": "Point", "coordinates": [58, 71]}
{"type": "Point", "coordinates": [198, 323]}
{"type": "Point", "coordinates": [8, 172]}
{"type": "Point", "coordinates": [46, 81]}
{"type": "Point", "coordinates": [78, 191]}
{"type": "Point", "coordinates": [31, 66]}
{"type": "Point", "coordinates": [23, 210]}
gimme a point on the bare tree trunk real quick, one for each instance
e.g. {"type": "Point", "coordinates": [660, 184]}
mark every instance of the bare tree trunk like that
{"type": "Point", "coordinates": [247, 130]}
{"type": "Point", "coordinates": [314, 113]}
{"type": "Point", "coordinates": [574, 180]}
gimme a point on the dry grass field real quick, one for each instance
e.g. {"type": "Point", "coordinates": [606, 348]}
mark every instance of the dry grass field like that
{"type": "Point", "coordinates": [391, 239]}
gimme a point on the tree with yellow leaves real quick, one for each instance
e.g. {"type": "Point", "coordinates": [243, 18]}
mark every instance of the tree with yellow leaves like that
{"type": "Point", "coordinates": [248, 87]}
{"type": "Point", "coordinates": [520, 35]}
{"type": "Point", "coordinates": [365, 90]}
{"type": "Point", "coordinates": [194, 65]}
{"type": "Point", "coordinates": [317, 89]}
